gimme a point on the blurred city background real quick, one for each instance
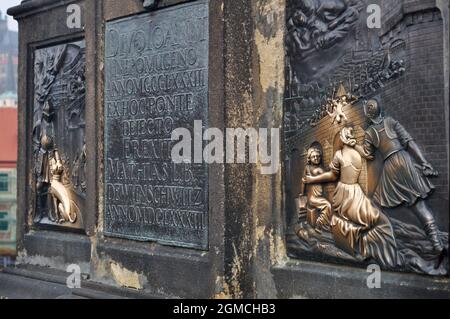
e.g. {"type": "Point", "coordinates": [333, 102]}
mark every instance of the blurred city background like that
{"type": "Point", "coordinates": [8, 129]}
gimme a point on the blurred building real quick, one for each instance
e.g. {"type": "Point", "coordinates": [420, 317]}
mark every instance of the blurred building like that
{"type": "Point", "coordinates": [8, 176]}
{"type": "Point", "coordinates": [8, 56]}
{"type": "Point", "coordinates": [8, 99]}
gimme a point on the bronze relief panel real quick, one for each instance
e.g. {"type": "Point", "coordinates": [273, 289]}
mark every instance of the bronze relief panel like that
{"type": "Point", "coordinates": [59, 149]}
{"type": "Point", "coordinates": [366, 149]}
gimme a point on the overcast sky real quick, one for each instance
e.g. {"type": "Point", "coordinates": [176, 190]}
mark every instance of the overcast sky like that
{"type": "Point", "coordinates": [4, 5]}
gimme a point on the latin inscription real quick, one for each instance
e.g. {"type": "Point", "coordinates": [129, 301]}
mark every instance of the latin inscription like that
{"type": "Point", "coordinates": [156, 80]}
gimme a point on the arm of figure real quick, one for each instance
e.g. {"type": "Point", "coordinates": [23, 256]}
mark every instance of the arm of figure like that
{"type": "Point", "coordinates": [302, 183]}
{"type": "Point", "coordinates": [57, 156]}
{"type": "Point", "coordinates": [360, 150]}
{"type": "Point", "coordinates": [426, 167]}
{"type": "Point", "coordinates": [59, 166]}
{"type": "Point", "coordinates": [408, 142]}
{"type": "Point", "coordinates": [414, 149]}
{"type": "Point", "coordinates": [327, 177]}
{"type": "Point", "coordinates": [344, 116]}
{"type": "Point", "coordinates": [366, 150]}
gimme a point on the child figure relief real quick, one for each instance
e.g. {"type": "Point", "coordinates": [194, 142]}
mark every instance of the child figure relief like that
{"type": "Point", "coordinates": [318, 208]}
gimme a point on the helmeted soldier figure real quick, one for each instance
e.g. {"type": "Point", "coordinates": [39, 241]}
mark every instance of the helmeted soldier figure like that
{"type": "Point", "coordinates": [403, 181]}
{"type": "Point", "coordinates": [48, 164]}
{"type": "Point", "coordinates": [46, 154]}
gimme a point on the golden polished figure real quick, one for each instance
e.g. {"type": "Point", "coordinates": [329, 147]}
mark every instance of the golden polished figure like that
{"type": "Point", "coordinates": [50, 178]}
{"type": "Point", "coordinates": [62, 206]}
{"type": "Point", "coordinates": [54, 194]}
{"type": "Point", "coordinates": [319, 210]}
{"type": "Point", "coordinates": [358, 227]}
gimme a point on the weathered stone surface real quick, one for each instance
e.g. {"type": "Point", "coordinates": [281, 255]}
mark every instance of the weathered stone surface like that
{"type": "Point", "coordinates": [249, 213]}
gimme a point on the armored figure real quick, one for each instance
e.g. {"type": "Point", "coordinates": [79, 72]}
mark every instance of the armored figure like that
{"type": "Point", "coordinates": [45, 152]}
{"type": "Point", "coordinates": [48, 164]}
{"type": "Point", "coordinates": [49, 172]}
{"type": "Point", "coordinates": [403, 182]}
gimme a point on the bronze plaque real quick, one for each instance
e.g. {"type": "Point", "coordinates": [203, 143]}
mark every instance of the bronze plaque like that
{"type": "Point", "coordinates": [365, 135]}
{"type": "Point", "coordinates": [59, 150]}
{"type": "Point", "coordinates": [156, 80]}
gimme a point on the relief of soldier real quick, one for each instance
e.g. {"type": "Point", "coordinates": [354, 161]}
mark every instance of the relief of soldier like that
{"type": "Point", "coordinates": [404, 177]}
{"type": "Point", "coordinates": [363, 191]}
{"type": "Point", "coordinates": [53, 197]}
{"type": "Point", "coordinates": [356, 222]}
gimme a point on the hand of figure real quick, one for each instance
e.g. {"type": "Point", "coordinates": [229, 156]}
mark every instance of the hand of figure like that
{"type": "Point", "coordinates": [307, 179]}
{"type": "Point", "coordinates": [59, 167]}
{"type": "Point", "coordinates": [428, 170]}
{"type": "Point", "coordinates": [320, 43]}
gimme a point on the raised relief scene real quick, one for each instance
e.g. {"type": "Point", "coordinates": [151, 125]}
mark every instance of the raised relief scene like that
{"type": "Point", "coordinates": [59, 153]}
{"type": "Point", "coordinates": [366, 148]}
{"type": "Point", "coordinates": [156, 80]}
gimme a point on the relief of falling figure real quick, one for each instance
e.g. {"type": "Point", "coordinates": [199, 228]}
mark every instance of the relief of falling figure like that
{"type": "Point", "coordinates": [337, 105]}
{"type": "Point", "coordinates": [338, 113]}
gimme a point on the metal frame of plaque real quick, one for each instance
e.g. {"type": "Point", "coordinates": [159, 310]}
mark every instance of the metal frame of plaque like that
{"type": "Point", "coordinates": [156, 80]}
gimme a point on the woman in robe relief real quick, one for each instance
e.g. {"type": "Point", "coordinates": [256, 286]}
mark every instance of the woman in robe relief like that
{"type": "Point", "coordinates": [358, 227]}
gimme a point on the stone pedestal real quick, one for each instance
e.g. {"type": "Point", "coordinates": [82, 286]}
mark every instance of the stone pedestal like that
{"type": "Point", "coordinates": [242, 244]}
